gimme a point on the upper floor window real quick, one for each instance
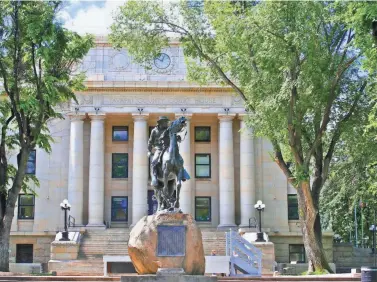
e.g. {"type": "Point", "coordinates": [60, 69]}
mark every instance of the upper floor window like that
{"type": "Point", "coordinates": [202, 134]}
{"type": "Point", "coordinates": [202, 165]}
{"type": "Point", "coordinates": [31, 163]}
{"type": "Point", "coordinates": [26, 206]}
{"type": "Point", "coordinates": [120, 133]}
{"type": "Point", "coordinates": [120, 165]}
{"type": "Point", "coordinates": [292, 207]}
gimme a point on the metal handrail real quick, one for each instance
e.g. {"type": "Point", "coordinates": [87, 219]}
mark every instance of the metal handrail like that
{"type": "Point", "coordinates": [255, 223]}
{"type": "Point", "coordinates": [243, 255]}
{"type": "Point", "coordinates": [71, 221]}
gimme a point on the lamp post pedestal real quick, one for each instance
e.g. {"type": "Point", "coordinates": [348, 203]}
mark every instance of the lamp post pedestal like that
{"type": "Point", "coordinates": [260, 237]}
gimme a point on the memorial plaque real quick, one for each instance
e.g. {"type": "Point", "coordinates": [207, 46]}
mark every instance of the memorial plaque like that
{"type": "Point", "coordinates": [171, 241]}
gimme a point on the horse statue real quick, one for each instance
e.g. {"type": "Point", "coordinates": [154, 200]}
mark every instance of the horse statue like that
{"type": "Point", "coordinates": [170, 171]}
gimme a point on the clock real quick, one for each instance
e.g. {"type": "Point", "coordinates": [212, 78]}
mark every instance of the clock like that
{"type": "Point", "coordinates": [162, 61]}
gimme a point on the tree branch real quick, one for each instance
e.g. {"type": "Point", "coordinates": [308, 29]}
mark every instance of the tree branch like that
{"type": "Point", "coordinates": [279, 160]}
{"type": "Point", "coordinates": [338, 132]}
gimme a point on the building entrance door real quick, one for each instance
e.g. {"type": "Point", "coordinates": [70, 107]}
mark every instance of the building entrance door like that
{"type": "Point", "coordinates": [152, 203]}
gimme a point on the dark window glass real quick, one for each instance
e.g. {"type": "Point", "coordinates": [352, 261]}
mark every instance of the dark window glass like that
{"type": "Point", "coordinates": [202, 165]}
{"type": "Point", "coordinates": [292, 207]}
{"type": "Point", "coordinates": [203, 208]}
{"type": "Point", "coordinates": [24, 253]}
{"type": "Point", "coordinates": [26, 207]}
{"type": "Point", "coordinates": [119, 208]}
{"type": "Point", "coordinates": [202, 134]}
{"type": "Point", "coordinates": [120, 133]}
{"type": "Point", "coordinates": [297, 253]}
{"type": "Point", "coordinates": [30, 165]}
{"type": "Point", "coordinates": [120, 165]}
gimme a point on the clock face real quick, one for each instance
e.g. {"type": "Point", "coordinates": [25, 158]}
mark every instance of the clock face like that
{"type": "Point", "coordinates": [162, 61]}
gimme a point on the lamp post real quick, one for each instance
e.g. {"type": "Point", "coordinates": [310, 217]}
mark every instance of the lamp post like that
{"type": "Point", "coordinates": [65, 206]}
{"type": "Point", "coordinates": [259, 206]}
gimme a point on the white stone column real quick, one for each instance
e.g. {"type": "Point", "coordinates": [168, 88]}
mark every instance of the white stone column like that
{"type": "Point", "coordinates": [186, 195]}
{"type": "Point", "coordinates": [247, 173]}
{"type": "Point", "coordinates": [226, 172]}
{"type": "Point", "coordinates": [76, 168]}
{"type": "Point", "coordinates": [97, 171]}
{"type": "Point", "coordinates": [140, 168]}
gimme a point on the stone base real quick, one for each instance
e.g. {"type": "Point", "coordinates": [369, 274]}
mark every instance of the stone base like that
{"type": "Point", "coordinates": [143, 245]}
{"type": "Point", "coordinates": [65, 250]}
{"type": "Point", "coordinates": [181, 278]}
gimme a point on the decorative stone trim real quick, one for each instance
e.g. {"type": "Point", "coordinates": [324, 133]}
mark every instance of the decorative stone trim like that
{"type": "Point", "coordinates": [226, 118]}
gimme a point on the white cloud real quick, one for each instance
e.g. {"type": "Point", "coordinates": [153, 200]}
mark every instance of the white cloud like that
{"type": "Point", "coordinates": [92, 19]}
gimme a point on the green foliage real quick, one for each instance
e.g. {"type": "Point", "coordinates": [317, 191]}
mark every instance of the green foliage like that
{"type": "Point", "coordinates": [305, 69]}
{"type": "Point", "coordinates": [37, 56]}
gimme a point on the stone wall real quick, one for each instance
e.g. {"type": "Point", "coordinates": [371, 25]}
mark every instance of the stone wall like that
{"type": "Point", "coordinates": [347, 256]}
{"type": "Point", "coordinates": [41, 247]}
{"type": "Point", "coordinates": [282, 242]}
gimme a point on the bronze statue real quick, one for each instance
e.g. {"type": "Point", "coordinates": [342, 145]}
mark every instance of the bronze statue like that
{"type": "Point", "coordinates": [167, 170]}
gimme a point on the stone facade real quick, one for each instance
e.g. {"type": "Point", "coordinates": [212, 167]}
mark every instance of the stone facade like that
{"type": "Point", "coordinates": [122, 93]}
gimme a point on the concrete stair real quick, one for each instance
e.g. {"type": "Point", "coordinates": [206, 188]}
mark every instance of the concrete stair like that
{"type": "Point", "coordinates": [97, 243]}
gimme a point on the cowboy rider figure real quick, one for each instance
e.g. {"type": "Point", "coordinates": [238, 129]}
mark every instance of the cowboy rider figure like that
{"type": "Point", "coordinates": [160, 141]}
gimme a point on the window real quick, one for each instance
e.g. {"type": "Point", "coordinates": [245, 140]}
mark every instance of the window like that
{"type": "Point", "coordinates": [24, 253]}
{"type": "Point", "coordinates": [120, 133]}
{"type": "Point", "coordinates": [25, 206]}
{"type": "Point", "coordinates": [119, 208]}
{"type": "Point", "coordinates": [202, 165]}
{"type": "Point", "coordinates": [202, 134]}
{"type": "Point", "coordinates": [292, 207]}
{"type": "Point", "coordinates": [297, 253]}
{"type": "Point", "coordinates": [30, 165]}
{"type": "Point", "coordinates": [203, 208]}
{"type": "Point", "coordinates": [120, 165]}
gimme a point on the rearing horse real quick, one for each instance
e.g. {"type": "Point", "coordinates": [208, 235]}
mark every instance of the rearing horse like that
{"type": "Point", "coordinates": [170, 172]}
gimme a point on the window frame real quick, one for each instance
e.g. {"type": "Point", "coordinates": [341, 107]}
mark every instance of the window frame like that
{"type": "Point", "coordinates": [18, 255]}
{"type": "Point", "coordinates": [119, 127]}
{"type": "Point", "coordinates": [209, 164]}
{"type": "Point", "coordinates": [35, 163]}
{"type": "Point", "coordinates": [210, 208]}
{"type": "Point", "coordinates": [114, 220]}
{"type": "Point", "coordinates": [112, 166]}
{"type": "Point", "coordinates": [291, 206]}
{"type": "Point", "coordinates": [202, 127]}
{"type": "Point", "coordinates": [304, 252]}
{"type": "Point", "coordinates": [20, 206]}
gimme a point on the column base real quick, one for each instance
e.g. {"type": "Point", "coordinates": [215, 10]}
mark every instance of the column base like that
{"type": "Point", "coordinates": [227, 227]}
{"type": "Point", "coordinates": [96, 226]}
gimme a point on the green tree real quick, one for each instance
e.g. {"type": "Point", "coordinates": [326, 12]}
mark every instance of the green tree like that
{"type": "Point", "coordinates": [352, 180]}
{"type": "Point", "coordinates": [295, 64]}
{"type": "Point", "coordinates": [36, 59]}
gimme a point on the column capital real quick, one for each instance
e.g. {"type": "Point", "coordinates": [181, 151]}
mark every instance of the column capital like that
{"type": "Point", "coordinates": [138, 116]}
{"type": "Point", "coordinates": [187, 116]}
{"type": "Point", "coordinates": [76, 117]}
{"type": "Point", "coordinates": [97, 116]}
{"type": "Point", "coordinates": [226, 118]}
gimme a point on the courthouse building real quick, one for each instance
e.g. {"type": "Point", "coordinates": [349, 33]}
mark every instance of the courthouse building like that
{"type": "Point", "coordinates": [99, 159]}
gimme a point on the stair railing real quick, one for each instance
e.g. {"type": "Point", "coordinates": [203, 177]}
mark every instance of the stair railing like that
{"type": "Point", "coordinates": [245, 258]}
{"type": "Point", "coordinates": [71, 221]}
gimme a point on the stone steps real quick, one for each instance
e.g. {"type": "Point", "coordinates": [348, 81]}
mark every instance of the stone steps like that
{"type": "Point", "coordinates": [113, 241]}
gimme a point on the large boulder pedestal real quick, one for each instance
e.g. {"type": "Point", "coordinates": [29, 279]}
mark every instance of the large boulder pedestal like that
{"type": "Point", "coordinates": [167, 247]}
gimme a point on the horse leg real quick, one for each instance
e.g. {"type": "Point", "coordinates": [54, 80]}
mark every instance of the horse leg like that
{"type": "Point", "coordinates": [157, 194]}
{"type": "Point", "coordinates": [165, 192]}
{"type": "Point", "coordinates": [178, 192]}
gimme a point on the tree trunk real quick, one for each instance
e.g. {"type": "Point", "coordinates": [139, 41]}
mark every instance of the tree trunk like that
{"type": "Point", "coordinates": [311, 230]}
{"type": "Point", "coordinates": [4, 243]}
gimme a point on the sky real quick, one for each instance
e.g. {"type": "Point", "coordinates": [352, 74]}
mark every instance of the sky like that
{"type": "Point", "coordinates": [89, 16]}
